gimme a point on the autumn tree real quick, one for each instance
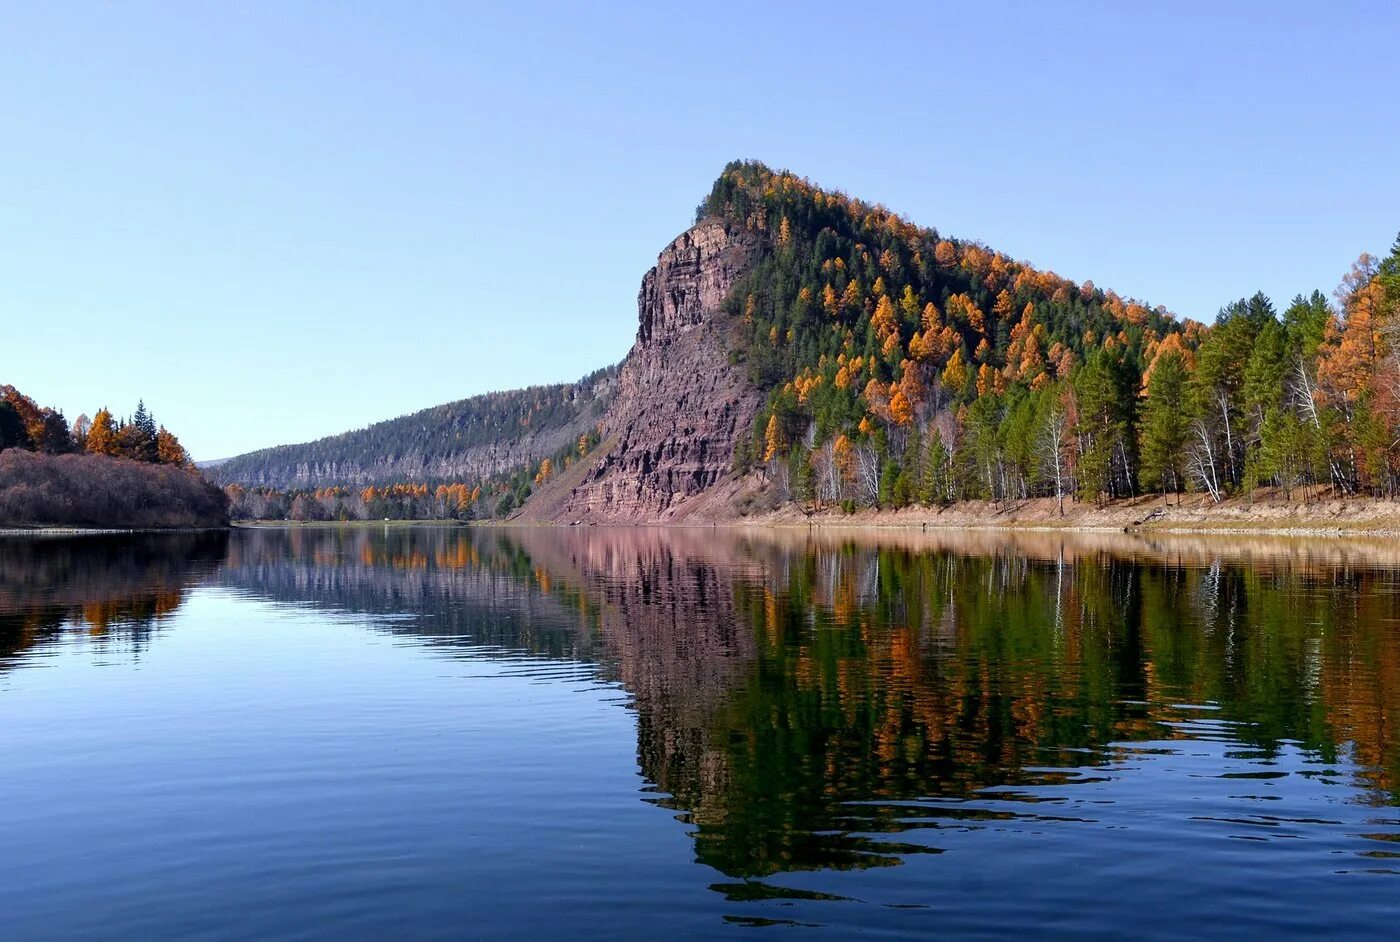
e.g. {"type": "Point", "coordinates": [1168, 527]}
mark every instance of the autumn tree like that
{"type": "Point", "coordinates": [102, 435]}
{"type": "Point", "coordinates": [169, 450]}
{"type": "Point", "coordinates": [773, 439]}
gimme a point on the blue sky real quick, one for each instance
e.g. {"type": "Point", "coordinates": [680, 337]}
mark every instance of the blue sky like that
{"type": "Point", "coordinates": [276, 221]}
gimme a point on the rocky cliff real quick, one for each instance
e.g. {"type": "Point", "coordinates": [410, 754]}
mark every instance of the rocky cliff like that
{"type": "Point", "coordinates": [670, 431]}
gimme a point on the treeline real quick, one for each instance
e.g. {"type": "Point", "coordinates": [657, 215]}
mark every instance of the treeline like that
{"type": "Point", "coordinates": [26, 425]}
{"type": "Point", "coordinates": [907, 368]}
{"type": "Point", "coordinates": [433, 444]}
{"type": "Point", "coordinates": [495, 497]}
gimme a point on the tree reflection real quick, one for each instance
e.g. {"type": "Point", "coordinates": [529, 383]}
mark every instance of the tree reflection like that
{"type": "Point", "coordinates": [828, 700]}
{"type": "Point", "coordinates": [98, 584]}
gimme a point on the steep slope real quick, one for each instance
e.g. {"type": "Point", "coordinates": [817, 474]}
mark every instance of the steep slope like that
{"type": "Point", "coordinates": [681, 404]}
{"type": "Point", "coordinates": [468, 440]}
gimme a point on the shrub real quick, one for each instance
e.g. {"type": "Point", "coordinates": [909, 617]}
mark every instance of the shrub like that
{"type": "Point", "coordinates": [99, 491]}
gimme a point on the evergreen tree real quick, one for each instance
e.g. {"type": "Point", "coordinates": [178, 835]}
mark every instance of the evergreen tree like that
{"type": "Point", "coordinates": [1164, 424]}
{"type": "Point", "coordinates": [12, 433]}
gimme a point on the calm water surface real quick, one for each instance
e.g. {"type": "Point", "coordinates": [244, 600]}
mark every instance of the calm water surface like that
{"type": "Point", "coordinates": [438, 733]}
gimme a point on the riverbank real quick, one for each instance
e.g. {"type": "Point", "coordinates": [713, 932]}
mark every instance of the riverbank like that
{"type": "Point", "coordinates": [1267, 513]}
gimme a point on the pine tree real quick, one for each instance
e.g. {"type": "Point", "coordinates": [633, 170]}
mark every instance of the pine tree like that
{"type": "Point", "coordinates": [1164, 424]}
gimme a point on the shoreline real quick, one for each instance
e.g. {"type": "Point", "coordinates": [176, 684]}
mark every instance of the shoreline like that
{"type": "Point", "coordinates": [99, 531]}
{"type": "Point", "coordinates": [1269, 514]}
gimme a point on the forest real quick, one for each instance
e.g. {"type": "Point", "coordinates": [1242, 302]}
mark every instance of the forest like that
{"type": "Point", "coordinates": [470, 439]}
{"type": "Point", "coordinates": [103, 471]}
{"type": "Point", "coordinates": [490, 496]}
{"type": "Point", "coordinates": [903, 367]}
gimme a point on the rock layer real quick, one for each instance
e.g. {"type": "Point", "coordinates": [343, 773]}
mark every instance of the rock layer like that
{"type": "Point", "coordinates": [680, 403]}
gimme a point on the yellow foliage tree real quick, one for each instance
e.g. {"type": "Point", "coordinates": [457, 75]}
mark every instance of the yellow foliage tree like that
{"type": "Point", "coordinates": [883, 320]}
{"type": "Point", "coordinates": [773, 439]}
{"type": "Point", "coordinates": [169, 450]}
{"type": "Point", "coordinates": [956, 373]}
{"type": "Point", "coordinates": [901, 410]}
{"type": "Point", "coordinates": [851, 301]}
{"type": "Point", "coordinates": [102, 436]}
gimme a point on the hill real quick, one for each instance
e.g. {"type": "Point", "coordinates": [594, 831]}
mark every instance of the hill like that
{"type": "Point", "coordinates": [799, 346]}
{"type": "Point", "coordinates": [100, 472]}
{"type": "Point", "coordinates": [90, 490]}
{"type": "Point", "coordinates": [468, 440]}
{"type": "Point", "coordinates": [806, 339]}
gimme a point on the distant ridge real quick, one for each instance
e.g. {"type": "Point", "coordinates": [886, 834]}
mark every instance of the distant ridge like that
{"type": "Point", "coordinates": [469, 439]}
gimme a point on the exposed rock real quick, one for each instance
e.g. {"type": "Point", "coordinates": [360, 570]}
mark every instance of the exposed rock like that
{"type": "Point", "coordinates": [680, 404]}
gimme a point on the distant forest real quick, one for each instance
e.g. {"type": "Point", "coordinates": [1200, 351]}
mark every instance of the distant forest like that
{"type": "Point", "coordinates": [491, 445]}
{"type": "Point", "coordinates": [492, 496]}
{"type": "Point", "coordinates": [476, 458]}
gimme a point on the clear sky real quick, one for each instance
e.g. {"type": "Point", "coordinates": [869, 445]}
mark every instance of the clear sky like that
{"type": "Point", "coordinates": [276, 221]}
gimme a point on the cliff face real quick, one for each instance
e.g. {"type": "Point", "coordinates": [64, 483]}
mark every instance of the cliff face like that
{"type": "Point", "coordinates": [668, 417]}
{"type": "Point", "coordinates": [680, 404]}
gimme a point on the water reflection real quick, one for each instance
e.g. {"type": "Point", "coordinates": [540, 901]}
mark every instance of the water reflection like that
{"type": "Point", "coordinates": [794, 692]}
{"type": "Point", "coordinates": [99, 584]}
{"type": "Point", "coordinates": [820, 702]}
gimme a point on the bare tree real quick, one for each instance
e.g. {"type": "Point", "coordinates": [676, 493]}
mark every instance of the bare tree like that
{"type": "Point", "coordinates": [1200, 459]}
{"type": "Point", "coordinates": [1051, 451]}
{"type": "Point", "coordinates": [868, 472]}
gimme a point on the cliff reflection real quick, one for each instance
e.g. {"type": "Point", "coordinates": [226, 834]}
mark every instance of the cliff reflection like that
{"type": "Point", "coordinates": [795, 691]}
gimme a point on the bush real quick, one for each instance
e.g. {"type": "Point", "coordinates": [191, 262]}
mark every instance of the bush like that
{"type": "Point", "coordinates": [99, 491]}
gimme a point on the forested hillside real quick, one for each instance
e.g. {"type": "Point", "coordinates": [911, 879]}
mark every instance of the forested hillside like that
{"type": "Point", "coordinates": [905, 367]}
{"type": "Point", "coordinates": [467, 441]}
